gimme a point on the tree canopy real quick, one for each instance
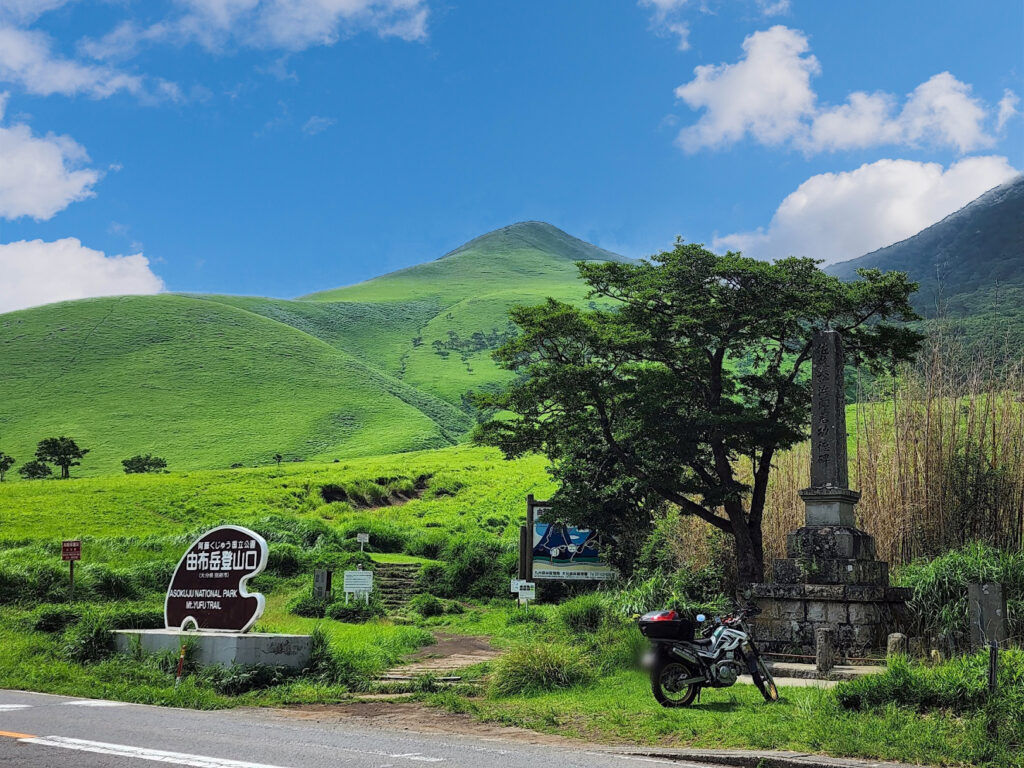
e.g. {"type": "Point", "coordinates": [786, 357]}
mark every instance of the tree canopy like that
{"type": "Point", "coordinates": [62, 451]}
{"type": "Point", "coordinates": [692, 365]}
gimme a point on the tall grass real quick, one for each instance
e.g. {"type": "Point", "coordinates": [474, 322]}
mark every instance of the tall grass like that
{"type": "Point", "coordinates": [937, 453]}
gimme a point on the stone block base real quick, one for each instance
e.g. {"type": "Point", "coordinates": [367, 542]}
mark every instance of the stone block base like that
{"type": "Point", "coordinates": [224, 648]}
{"type": "Point", "coordinates": [861, 615]}
{"type": "Point", "coordinates": [831, 571]}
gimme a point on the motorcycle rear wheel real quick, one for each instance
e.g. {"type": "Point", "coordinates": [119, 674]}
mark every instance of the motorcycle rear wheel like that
{"type": "Point", "coordinates": [666, 688]}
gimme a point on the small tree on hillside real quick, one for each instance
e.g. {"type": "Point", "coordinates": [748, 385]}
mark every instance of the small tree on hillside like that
{"type": "Point", "coordinates": [278, 458]}
{"type": "Point", "coordinates": [62, 451]}
{"type": "Point", "coordinates": [6, 462]}
{"type": "Point", "coordinates": [137, 465]}
{"type": "Point", "coordinates": [698, 371]}
{"type": "Point", "coordinates": [35, 470]}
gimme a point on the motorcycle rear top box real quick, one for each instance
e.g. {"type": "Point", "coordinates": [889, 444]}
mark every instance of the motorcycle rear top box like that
{"type": "Point", "coordinates": [666, 625]}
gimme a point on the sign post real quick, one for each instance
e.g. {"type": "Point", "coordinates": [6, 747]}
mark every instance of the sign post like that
{"type": "Point", "coordinates": [363, 539]}
{"type": "Point", "coordinates": [527, 592]}
{"type": "Point", "coordinates": [71, 551]}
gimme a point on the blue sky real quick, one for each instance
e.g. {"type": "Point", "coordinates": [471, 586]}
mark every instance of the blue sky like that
{"type": "Point", "coordinates": [279, 147]}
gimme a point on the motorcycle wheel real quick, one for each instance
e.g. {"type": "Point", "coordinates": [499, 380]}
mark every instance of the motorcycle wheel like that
{"type": "Point", "coordinates": [666, 688]}
{"type": "Point", "coordinates": [764, 681]}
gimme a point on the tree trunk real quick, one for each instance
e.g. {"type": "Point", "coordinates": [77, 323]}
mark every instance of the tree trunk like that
{"type": "Point", "coordinates": [749, 552]}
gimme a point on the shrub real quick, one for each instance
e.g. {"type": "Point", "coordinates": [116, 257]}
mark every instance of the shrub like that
{"type": "Point", "coordinates": [474, 566]}
{"type": "Point", "coordinates": [938, 603]}
{"type": "Point", "coordinates": [134, 617]}
{"type": "Point", "coordinates": [428, 544]}
{"type": "Point", "coordinates": [89, 640]}
{"type": "Point", "coordinates": [307, 605]}
{"type": "Point", "coordinates": [384, 536]}
{"type": "Point", "coordinates": [354, 611]}
{"type": "Point", "coordinates": [332, 666]}
{"type": "Point", "coordinates": [539, 667]}
{"type": "Point", "coordinates": [35, 470]}
{"type": "Point", "coordinates": [959, 685]}
{"type": "Point", "coordinates": [109, 584]}
{"type": "Point", "coordinates": [427, 605]}
{"type": "Point", "coordinates": [239, 679]}
{"type": "Point", "coordinates": [584, 613]}
{"type": "Point", "coordinates": [283, 559]}
{"type": "Point", "coordinates": [526, 617]}
{"type": "Point", "coordinates": [431, 578]}
{"type": "Point", "coordinates": [139, 464]}
{"type": "Point", "coordinates": [54, 618]}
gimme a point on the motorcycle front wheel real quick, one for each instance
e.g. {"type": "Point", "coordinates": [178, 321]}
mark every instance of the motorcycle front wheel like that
{"type": "Point", "coordinates": [667, 686]}
{"type": "Point", "coordinates": [764, 681]}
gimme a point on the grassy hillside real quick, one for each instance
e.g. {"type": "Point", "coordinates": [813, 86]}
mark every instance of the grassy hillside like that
{"type": "Point", "coordinates": [213, 380]}
{"type": "Point", "coordinates": [200, 383]}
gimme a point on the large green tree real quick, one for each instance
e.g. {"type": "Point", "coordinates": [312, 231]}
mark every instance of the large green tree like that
{"type": "Point", "coordinates": [62, 451]}
{"type": "Point", "coordinates": [684, 386]}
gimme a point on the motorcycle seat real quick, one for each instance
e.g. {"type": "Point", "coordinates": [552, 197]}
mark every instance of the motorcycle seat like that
{"type": "Point", "coordinates": [702, 641]}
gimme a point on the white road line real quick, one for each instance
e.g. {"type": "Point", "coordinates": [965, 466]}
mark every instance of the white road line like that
{"type": "Point", "coordinates": [93, 703]}
{"type": "Point", "coordinates": [181, 758]}
{"type": "Point", "coordinates": [12, 707]}
{"type": "Point", "coordinates": [157, 755]}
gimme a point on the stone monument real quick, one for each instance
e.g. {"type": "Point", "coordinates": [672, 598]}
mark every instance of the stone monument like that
{"type": "Point", "coordinates": [830, 577]}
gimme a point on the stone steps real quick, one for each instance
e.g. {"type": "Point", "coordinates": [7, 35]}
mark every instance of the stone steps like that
{"type": "Point", "coordinates": [397, 583]}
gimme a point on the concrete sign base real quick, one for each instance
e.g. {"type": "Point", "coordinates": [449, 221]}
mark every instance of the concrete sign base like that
{"type": "Point", "coordinates": [224, 648]}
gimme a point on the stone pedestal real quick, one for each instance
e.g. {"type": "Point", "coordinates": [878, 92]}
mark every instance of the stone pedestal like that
{"type": "Point", "coordinates": [224, 648]}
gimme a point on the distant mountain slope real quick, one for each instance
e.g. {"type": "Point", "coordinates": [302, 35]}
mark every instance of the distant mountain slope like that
{"type": "Point", "coordinates": [209, 380]}
{"type": "Point", "coordinates": [966, 263]}
{"type": "Point", "coordinates": [520, 256]}
{"type": "Point", "coordinates": [201, 384]}
{"type": "Point", "coordinates": [472, 288]}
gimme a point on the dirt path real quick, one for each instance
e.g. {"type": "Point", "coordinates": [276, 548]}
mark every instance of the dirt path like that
{"type": "Point", "coordinates": [449, 654]}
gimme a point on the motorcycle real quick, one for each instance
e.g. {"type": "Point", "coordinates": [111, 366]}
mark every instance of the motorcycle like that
{"type": "Point", "coordinates": [681, 664]}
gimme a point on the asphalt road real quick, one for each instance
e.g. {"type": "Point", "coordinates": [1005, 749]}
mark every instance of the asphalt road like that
{"type": "Point", "coordinates": [42, 731]}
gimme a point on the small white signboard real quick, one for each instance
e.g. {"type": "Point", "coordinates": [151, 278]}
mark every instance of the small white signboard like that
{"type": "Point", "coordinates": [515, 586]}
{"type": "Point", "coordinates": [358, 583]}
{"type": "Point", "coordinates": [527, 591]}
{"type": "Point", "coordinates": [363, 538]}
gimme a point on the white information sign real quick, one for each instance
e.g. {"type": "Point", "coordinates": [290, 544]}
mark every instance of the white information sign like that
{"type": "Point", "coordinates": [515, 586]}
{"type": "Point", "coordinates": [363, 538]}
{"type": "Point", "coordinates": [358, 583]}
{"type": "Point", "coordinates": [527, 591]}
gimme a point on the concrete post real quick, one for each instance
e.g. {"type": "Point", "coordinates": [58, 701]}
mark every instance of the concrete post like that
{"type": "Point", "coordinates": [825, 649]}
{"type": "Point", "coordinates": [896, 645]}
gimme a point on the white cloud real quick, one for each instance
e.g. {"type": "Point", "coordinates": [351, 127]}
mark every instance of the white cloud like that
{"type": "Point", "coordinates": [773, 7]}
{"type": "Point", "coordinates": [1007, 108]}
{"type": "Point", "coordinates": [317, 124]}
{"type": "Point", "coordinates": [767, 95]}
{"type": "Point", "coordinates": [839, 216]}
{"type": "Point", "coordinates": [40, 175]}
{"type": "Point", "coordinates": [36, 272]}
{"type": "Point", "coordinates": [27, 58]}
{"type": "Point", "coordinates": [290, 25]}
